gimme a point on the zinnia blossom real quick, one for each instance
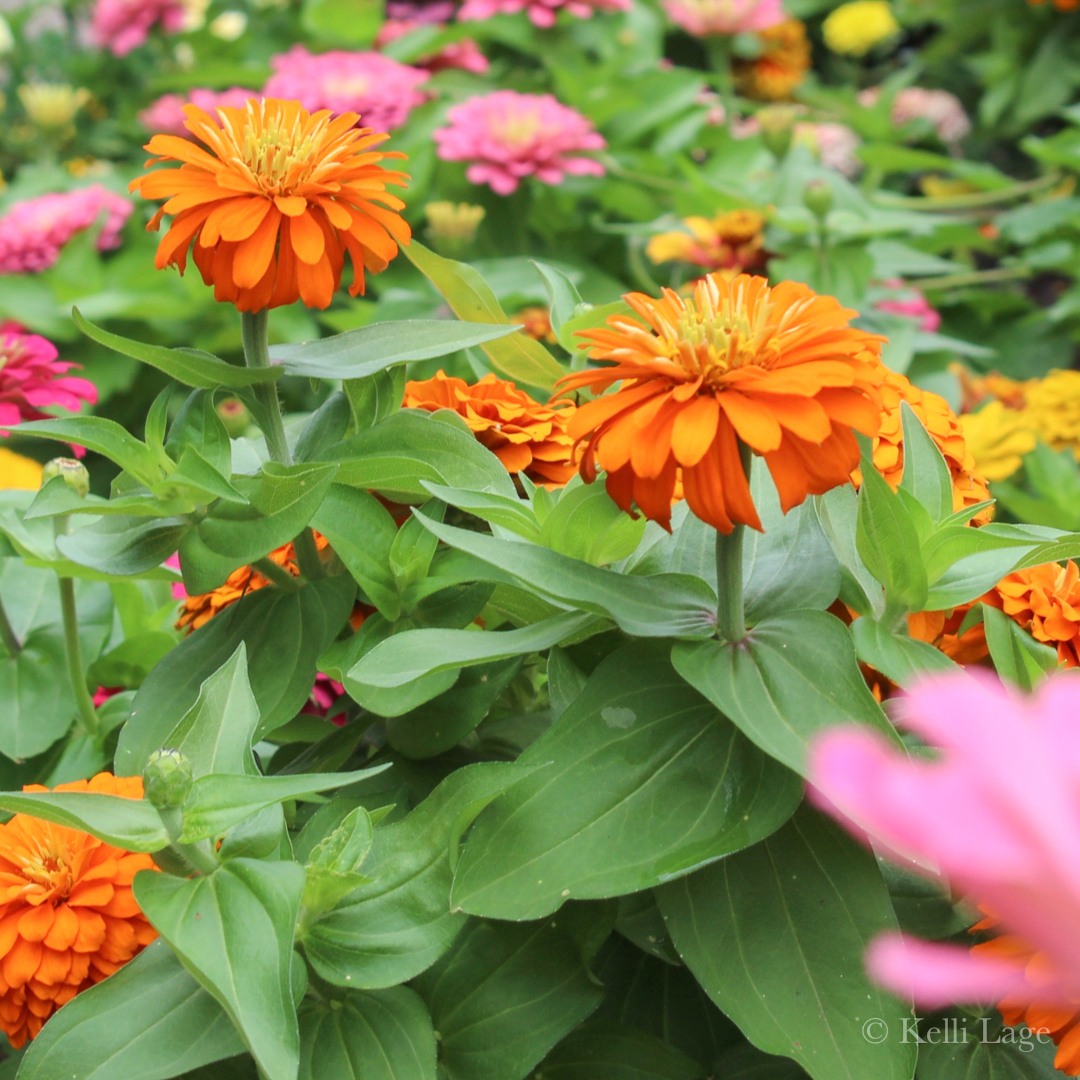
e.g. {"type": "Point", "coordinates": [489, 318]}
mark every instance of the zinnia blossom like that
{"type": "Point", "coordinates": [68, 917]}
{"type": "Point", "coordinates": [995, 813]}
{"type": "Point", "coordinates": [778, 369]}
{"type": "Point", "coordinates": [836, 145]}
{"type": "Point", "coordinates": [123, 25]}
{"type": "Point", "coordinates": [526, 436]}
{"type": "Point", "coordinates": [32, 377]}
{"type": "Point", "coordinates": [784, 61]}
{"type": "Point", "coordinates": [541, 12]}
{"type": "Point", "coordinates": [704, 17]}
{"type": "Point", "coordinates": [856, 28]}
{"type": "Point", "coordinates": [912, 304]}
{"type": "Point", "coordinates": [732, 242]}
{"type": "Point", "coordinates": [274, 202]}
{"type": "Point", "coordinates": [1052, 405]}
{"type": "Point", "coordinates": [998, 438]}
{"type": "Point", "coordinates": [537, 323]}
{"type": "Point", "coordinates": [166, 114]}
{"type": "Point", "coordinates": [33, 232]}
{"type": "Point", "coordinates": [1045, 601]}
{"type": "Point", "coordinates": [18, 473]}
{"type": "Point", "coordinates": [379, 90]}
{"type": "Point", "coordinates": [507, 136]}
{"type": "Point", "coordinates": [938, 108]}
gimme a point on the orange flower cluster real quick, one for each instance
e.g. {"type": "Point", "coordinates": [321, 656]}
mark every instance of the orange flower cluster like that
{"type": "Point", "coordinates": [527, 437]}
{"type": "Point", "coordinates": [778, 369]}
{"type": "Point", "coordinates": [1045, 600]}
{"type": "Point", "coordinates": [274, 202]}
{"type": "Point", "coordinates": [537, 323]}
{"type": "Point", "coordinates": [68, 916]}
{"type": "Point", "coordinates": [945, 429]}
{"type": "Point", "coordinates": [732, 242]}
{"type": "Point", "coordinates": [784, 61]}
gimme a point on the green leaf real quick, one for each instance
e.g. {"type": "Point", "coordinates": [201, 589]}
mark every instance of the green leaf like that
{"type": "Point", "coordinates": [982, 1048]}
{"type": "Point", "coordinates": [563, 296]}
{"type": "Point", "coordinates": [196, 476]}
{"type": "Point", "coordinates": [601, 1050]}
{"type": "Point", "coordinates": [586, 524]}
{"type": "Point", "coordinates": [791, 677]}
{"type": "Point", "coordinates": [377, 397]}
{"type": "Point", "coordinates": [357, 354]}
{"type": "Point", "coordinates": [400, 923]}
{"type": "Point", "coordinates": [37, 703]}
{"type": "Point", "coordinates": [776, 935]}
{"type": "Point", "coordinates": [282, 499]}
{"type": "Point", "coordinates": [837, 512]}
{"type": "Point", "coordinates": [505, 994]}
{"type": "Point", "coordinates": [284, 634]}
{"type": "Point", "coordinates": [197, 424]}
{"type": "Point", "coordinates": [398, 453]}
{"type": "Point", "coordinates": [519, 357]}
{"type": "Point", "coordinates": [897, 656]}
{"type": "Point", "coordinates": [655, 742]}
{"type": "Point", "coordinates": [219, 801]}
{"type": "Point", "coordinates": [103, 436]}
{"type": "Point", "coordinates": [124, 545]}
{"type": "Point", "coordinates": [188, 366]}
{"type": "Point", "coordinates": [662, 605]}
{"type": "Point", "coordinates": [514, 514]}
{"type": "Point", "coordinates": [325, 428]}
{"type": "Point", "coordinates": [1017, 656]}
{"type": "Point", "coordinates": [747, 1062]}
{"type": "Point", "coordinates": [414, 548]}
{"type": "Point", "coordinates": [412, 654]}
{"type": "Point", "coordinates": [233, 930]}
{"type": "Point", "coordinates": [926, 476]}
{"type": "Point", "coordinates": [149, 1021]}
{"type": "Point", "coordinates": [373, 1035]}
{"type": "Point", "coordinates": [132, 824]}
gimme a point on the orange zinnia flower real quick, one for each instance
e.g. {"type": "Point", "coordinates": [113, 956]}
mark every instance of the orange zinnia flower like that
{"type": "Point", "coordinates": [779, 369]}
{"type": "Point", "coordinates": [1045, 600]}
{"type": "Point", "coordinates": [784, 61]}
{"type": "Point", "coordinates": [537, 323]}
{"type": "Point", "coordinates": [274, 202]}
{"type": "Point", "coordinates": [732, 242]}
{"type": "Point", "coordinates": [527, 437]}
{"type": "Point", "coordinates": [68, 917]}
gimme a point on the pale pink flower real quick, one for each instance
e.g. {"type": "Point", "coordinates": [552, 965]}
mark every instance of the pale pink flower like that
{"type": "Point", "coordinates": [123, 25]}
{"type": "Point", "coordinates": [33, 378]}
{"type": "Point", "coordinates": [507, 136]}
{"type": "Point", "coordinates": [834, 144]}
{"type": "Point", "coordinates": [381, 90]}
{"type": "Point", "coordinates": [942, 110]}
{"type": "Point", "coordinates": [541, 12]}
{"type": "Point", "coordinates": [704, 17]}
{"type": "Point", "coordinates": [997, 813]}
{"type": "Point", "coordinates": [465, 54]}
{"type": "Point", "coordinates": [912, 304]}
{"type": "Point", "coordinates": [33, 232]}
{"type": "Point", "coordinates": [166, 115]}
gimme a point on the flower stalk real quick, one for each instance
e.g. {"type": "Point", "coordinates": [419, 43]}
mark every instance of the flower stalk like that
{"type": "Point", "coordinates": [88, 717]}
{"type": "Point", "coordinates": [730, 613]}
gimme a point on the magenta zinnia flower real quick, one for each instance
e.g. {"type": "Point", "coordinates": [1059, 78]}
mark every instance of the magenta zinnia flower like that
{"type": "Point", "coordinates": [541, 12]}
{"type": "Point", "coordinates": [507, 136]}
{"type": "Point", "coordinates": [166, 115]}
{"type": "Point", "coordinates": [123, 25]}
{"type": "Point", "coordinates": [997, 813]}
{"type": "Point", "coordinates": [704, 17]}
{"type": "Point", "coordinates": [33, 232]}
{"type": "Point", "coordinates": [912, 304]}
{"type": "Point", "coordinates": [381, 90]}
{"type": "Point", "coordinates": [32, 378]}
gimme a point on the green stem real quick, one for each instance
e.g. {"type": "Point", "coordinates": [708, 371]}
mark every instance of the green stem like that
{"type": "Point", "coordinates": [277, 574]}
{"type": "Point", "coordinates": [730, 616]}
{"type": "Point", "coordinates": [199, 855]}
{"type": "Point", "coordinates": [83, 701]}
{"type": "Point", "coordinates": [7, 633]}
{"type": "Point", "coordinates": [974, 277]}
{"type": "Point", "coordinates": [253, 329]}
{"type": "Point", "coordinates": [973, 201]}
{"type": "Point", "coordinates": [718, 46]}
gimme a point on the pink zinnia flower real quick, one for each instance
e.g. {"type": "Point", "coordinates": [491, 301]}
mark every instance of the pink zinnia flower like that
{"type": "Point", "coordinates": [541, 12]}
{"type": "Point", "coordinates": [942, 110]}
{"type": "Point", "coordinates": [465, 54]}
{"type": "Point", "coordinates": [166, 115]}
{"type": "Point", "coordinates": [507, 136]}
{"type": "Point", "coordinates": [998, 813]}
{"type": "Point", "coordinates": [123, 25]}
{"type": "Point", "coordinates": [325, 696]}
{"type": "Point", "coordinates": [834, 144]}
{"type": "Point", "coordinates": [33, 232]}
{"type": "Point", "coordinates": [33, 378]}
{"type": "Point", "coordinates": [913, 305]}
{"type": "Point", "coordinates": [381, 90]}
{"type": "Point", "coordinates": [703, 17]}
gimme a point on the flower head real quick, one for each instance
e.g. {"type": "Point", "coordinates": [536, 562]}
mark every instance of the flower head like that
{"type": "Point", "coordinates": [938, 108]}
{"type": "Point", "coordinates": [541, 12]}
{"type": "Point", "coordinates": [781, 67]}
{"type": "Point", "coordinates": [998, 438]}
{"type": "Point", "coordinates": [836, 145]}
{"type": "Point", "coordinates": [995, 812]}
{"type": "Point", "coordinates": [452, 226]}
{"type": "Point", "coordinates": [537, 323]}
{"type": "Point", "coordinates": [704, 17]}
{"type": "Point", "coordinates": [123, 25]}
{"type": "Point", "coordinates": [507, 136]}
{"type": "Point", "coordinates": [1052, 405]}
{"type": "Point", "coordinates": [379, 90]}
{"type": "Point", "coordinates": [18, 473]}
{"type": "Point", "coordinates": [166, 114]}
{"type": "Point", "coordinates": [912, 304]}
{"type": "Point", "coordinates": [526, 436]}
{"type": "Point", "coordinates": [1045, 600]}
{"type": "Point", "coordinates": [732, 242]}
{"type": "Point", "coordinates": [32, 377]}
{"type": "Point", "coordinates": [52, 106]}
{"type": "Point", "coordinates": [33, 232]}
{"type": "Point", "coordinates": [68, 917]}
{"type": "Point", "coordinates": [274, 202]}
{"type": "Point", "coordinates": [856, 28]}
{"type": "Point", "coordinates": [778, 368]}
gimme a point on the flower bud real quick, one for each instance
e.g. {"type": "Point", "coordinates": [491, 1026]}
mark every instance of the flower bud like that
{"type": "Point", "coordinates": [777, 129]}
{"type": "Point", "coordinates": [818, 198]}
{"type": "Point", "coordinates": [52, 106]}
{"type": "Point", "coordinates": [74, 473]}
{"type": "Point", "coordinates": [452, 226]}
{"type": "Point", "coordinates": [235, 416]}
{"type": "Point", "coordinates": [167, 779]}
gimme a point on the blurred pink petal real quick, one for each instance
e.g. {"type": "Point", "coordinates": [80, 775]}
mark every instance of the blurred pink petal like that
{"type": "Point", "coordinates": [165, 116]}
{"type": "Point", "coordinates": [704, 17]}
{"type": "Point", "coordinates": [541, 13]}
{"type": "Point", "coordinates": [123, 25]}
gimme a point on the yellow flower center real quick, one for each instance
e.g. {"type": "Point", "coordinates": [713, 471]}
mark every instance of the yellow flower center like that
{"type": "Point", "coordinates": [279, 155]}
{"type": "Point", "coordinates": [725, 337]}
{"type": "Point", "coordinates": [48, 867]}
{"type": "Point", "coordinates": [518, 129]}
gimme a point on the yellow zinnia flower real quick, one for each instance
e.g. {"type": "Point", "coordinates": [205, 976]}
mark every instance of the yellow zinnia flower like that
{"type": "Point", "coordinates": [856, 28]}
{"type": "Point", "coordinates": [998, 438]}
{"type": "Point", "coordinates": [18, 472]}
